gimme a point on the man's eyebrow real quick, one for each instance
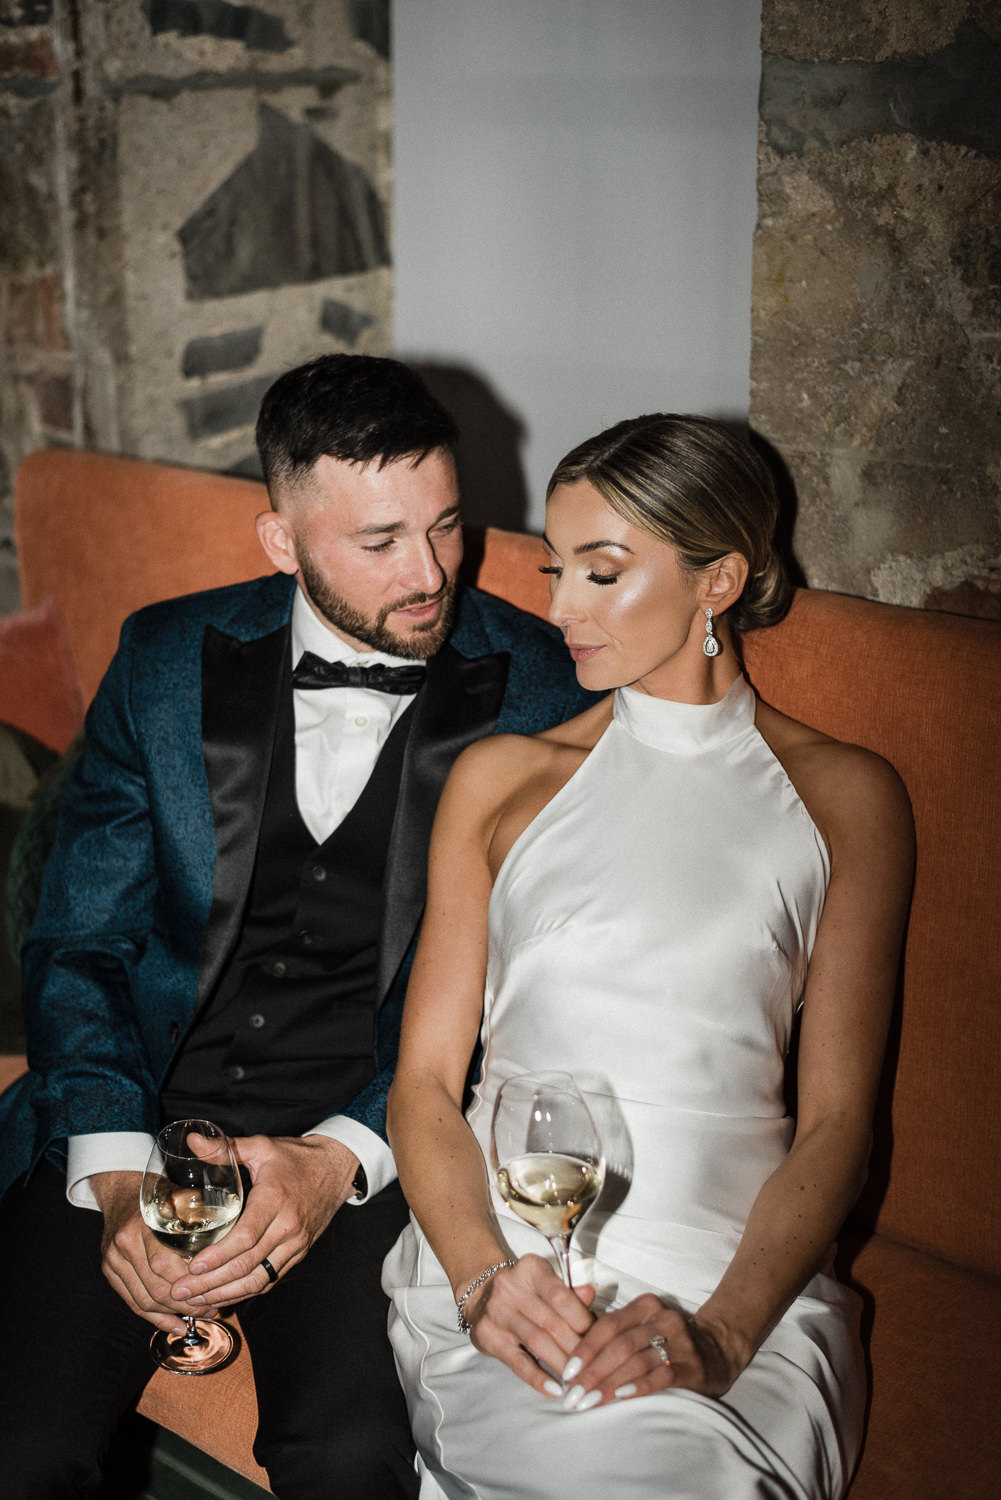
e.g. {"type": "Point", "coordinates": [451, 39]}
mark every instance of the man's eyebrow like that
{"type": "Point", "coordinates": [586, 547]}
{"type": "Point", "coordinates": [390, 528]}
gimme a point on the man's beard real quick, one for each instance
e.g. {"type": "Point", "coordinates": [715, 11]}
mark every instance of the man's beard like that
{"type": "Point", "coordinates": [416, 645]}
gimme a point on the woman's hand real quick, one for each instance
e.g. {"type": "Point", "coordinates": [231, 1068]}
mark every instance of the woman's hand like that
{"type": "Point", "coordinates": [525, 1314]}
{"type": "Point", "coordinates": [616, 1360]}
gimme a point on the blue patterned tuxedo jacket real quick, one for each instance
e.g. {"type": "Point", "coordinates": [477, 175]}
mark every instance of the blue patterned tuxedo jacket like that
{"type": "Point", "coordinates": [145, 887]}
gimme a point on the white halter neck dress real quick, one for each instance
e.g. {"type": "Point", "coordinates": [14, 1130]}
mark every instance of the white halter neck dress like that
{"type": "Point", "coordinates": [649, 933]}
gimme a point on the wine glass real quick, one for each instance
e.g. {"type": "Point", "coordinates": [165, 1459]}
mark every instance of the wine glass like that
{"type": "Point", "coordinates": [191, 1196]}
{"type": "Point", "coordinates": [547, 1156]}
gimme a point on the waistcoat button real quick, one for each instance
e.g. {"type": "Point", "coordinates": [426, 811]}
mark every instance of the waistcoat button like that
{"type": "Point", "coordinates": [236, 1073]}
{"type": "Point", "coordinates": [278, 969]}
{"type": "Point", "coordinates": [257, 1020]}
{"type": "Point", "coordinates": [305, 938]}
{"type": "Point", "coordinates": [319, 873]}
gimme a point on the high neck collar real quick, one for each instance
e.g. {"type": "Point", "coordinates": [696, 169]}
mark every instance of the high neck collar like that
{"type": "Point", "coordinates": [685, 728]}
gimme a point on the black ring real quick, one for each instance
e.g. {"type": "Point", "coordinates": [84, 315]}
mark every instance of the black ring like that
{"type": "Point", "coordinates": [271, 1272]}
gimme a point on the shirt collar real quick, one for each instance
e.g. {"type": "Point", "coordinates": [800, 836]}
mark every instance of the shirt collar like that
{"type": "Point", "coordinates": [309, 633]}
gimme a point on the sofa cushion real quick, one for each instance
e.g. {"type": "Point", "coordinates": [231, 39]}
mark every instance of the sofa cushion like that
{"type": "Point", "coordinates": [39, 688]}
{"type": "Point", "coordinates": [180, 1405]}
{"type": "Point", "coordinates": [933, 1332]}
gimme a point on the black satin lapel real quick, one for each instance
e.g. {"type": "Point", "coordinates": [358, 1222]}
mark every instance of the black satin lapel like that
{"type": "Point", "coordinates": [242, 684]}
{"type": "Point", "coordinates": [459, 703]}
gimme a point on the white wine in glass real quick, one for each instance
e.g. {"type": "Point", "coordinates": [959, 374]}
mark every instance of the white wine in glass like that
{"type": "Point", "coordinates": [191, 1196]}
{"type": "Point", "coordinates": [547, 1156]}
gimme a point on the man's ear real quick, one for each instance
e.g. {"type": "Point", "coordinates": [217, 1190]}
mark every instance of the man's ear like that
{"type": "Point", "coordinates": [278, 540]}
{"type": "Point", "coordinates": [723, 581]}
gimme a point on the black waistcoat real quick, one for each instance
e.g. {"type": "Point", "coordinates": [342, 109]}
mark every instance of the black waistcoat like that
{"type": "Point", "coordinates": [287, 1036]}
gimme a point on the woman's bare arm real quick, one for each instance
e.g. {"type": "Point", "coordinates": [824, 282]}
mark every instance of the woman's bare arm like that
{"type": "Point", "coordinates": [860, 805]}
{"type": "Point", "coordinates": [440, 1165]}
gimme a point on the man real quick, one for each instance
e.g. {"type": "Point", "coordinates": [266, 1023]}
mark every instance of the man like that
{"type": "Point", "coordinates": [225, 932]}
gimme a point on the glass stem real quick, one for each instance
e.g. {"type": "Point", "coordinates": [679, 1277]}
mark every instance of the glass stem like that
{"type": "Point", "coordinates": [193, 1338]}
{"type": "Point", "coordinates": [561, 1244]}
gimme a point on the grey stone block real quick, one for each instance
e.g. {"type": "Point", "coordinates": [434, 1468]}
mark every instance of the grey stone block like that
{"type": "Point", "coordinates": [224, 351]}
{"type": "Point", "coordinates": [294, 211]}
{"type": "Point", "coordinates": [224, 410]}
{"type": "Point", "coordinates": [344, 322]}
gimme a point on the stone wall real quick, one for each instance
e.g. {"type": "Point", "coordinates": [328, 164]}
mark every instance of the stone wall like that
{"type": "Point", "coordinates": [876, 357]}
{"type": "Point", "coordinates": [195, 197]}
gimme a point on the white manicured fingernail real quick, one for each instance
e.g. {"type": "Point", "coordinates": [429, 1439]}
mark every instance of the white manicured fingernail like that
{"type": "Point", "coordinates": [551, 1388]}
{"type": "Point", "coordinates": [591, 1399]}
{"type": "Point", "coordinates": [574, 1367]}
{"type": "Point", "coordinates": [572, 1397]}
{"type": "Point", "coordinates": [624, 1391]}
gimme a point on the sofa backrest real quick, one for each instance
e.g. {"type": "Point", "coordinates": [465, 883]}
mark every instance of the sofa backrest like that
{"type": "Point", "coordinates": [924, 690]}
{"type": "Point", "coordinates": [105, 535]}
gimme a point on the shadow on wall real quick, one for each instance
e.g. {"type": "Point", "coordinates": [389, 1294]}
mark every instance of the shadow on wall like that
{"type": "Point", "coordinates": [491, 478]}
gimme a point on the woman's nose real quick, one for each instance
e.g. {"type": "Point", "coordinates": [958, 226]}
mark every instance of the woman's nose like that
{"type": "Point", "coordinates": [563, 611]}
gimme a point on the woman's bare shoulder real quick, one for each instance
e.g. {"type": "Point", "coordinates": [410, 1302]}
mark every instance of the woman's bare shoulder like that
{"type": "Point", "coordinates": [584, 730]}
{"type": "Point", "coordinates": [499, 784]}
{"type": "Point", "coordinates": [506, 758]}
{"type": "Point", "coordinates": [847, 789]}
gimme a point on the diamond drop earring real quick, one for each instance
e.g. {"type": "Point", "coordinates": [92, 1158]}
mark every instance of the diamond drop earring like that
{"type": "Point", "coordinates": [710, 645]}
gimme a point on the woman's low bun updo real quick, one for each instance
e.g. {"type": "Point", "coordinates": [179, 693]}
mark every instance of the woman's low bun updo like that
{"type": "Point", "coordinates": [693, 483]}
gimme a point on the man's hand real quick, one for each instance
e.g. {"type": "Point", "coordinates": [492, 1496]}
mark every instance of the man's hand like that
{"type": "Point", "coordinates": [299, 1183]}
{"type": "Point", "coordinates": [140, 1269]}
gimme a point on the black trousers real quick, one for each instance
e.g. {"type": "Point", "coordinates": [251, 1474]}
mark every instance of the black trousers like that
{"type": "Point", "coordinates": [74, 1359]}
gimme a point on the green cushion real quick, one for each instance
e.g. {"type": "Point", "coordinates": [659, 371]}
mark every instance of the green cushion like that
{"type": "Point", "coordinates": [32, 778]}
{"type": "Point", "coordinates": [24, 761]}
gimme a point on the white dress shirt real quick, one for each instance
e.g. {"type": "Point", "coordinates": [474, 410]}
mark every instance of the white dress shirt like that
{"type": "Point", "coordinates": [339, 733]}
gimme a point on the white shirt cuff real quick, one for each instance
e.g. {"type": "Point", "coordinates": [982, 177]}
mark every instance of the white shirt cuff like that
{"type": "Point", "coordinates": [111, 1151]}
{"type": "Point", "coordinates": [370, 1149]}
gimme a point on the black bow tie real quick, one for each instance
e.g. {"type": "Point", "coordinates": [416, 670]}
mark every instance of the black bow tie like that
{"type": "Point", "coordinates": [313, 672]}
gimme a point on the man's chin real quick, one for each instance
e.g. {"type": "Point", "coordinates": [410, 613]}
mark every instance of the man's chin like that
{"type": "Point", "coordinates": [418, 644]}
{"type": "Point", "coordinates": [422, 641]}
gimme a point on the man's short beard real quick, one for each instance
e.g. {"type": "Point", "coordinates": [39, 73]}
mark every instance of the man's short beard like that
{"type": "Point", "coordinates": [415, 645]}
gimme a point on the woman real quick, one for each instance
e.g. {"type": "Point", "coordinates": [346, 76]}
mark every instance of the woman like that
{"type": "Point", "coordinates": [644, 896]}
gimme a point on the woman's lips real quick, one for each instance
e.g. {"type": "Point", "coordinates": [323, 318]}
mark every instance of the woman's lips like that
{"type": "Point", "coordinates": [583, 653]}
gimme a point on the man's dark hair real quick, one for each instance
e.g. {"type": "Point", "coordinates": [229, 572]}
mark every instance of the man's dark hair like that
{"type": "Point", "coordinates": [352, 407]}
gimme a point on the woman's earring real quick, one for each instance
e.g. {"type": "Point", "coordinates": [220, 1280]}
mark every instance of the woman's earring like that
{"type": "Point", "coordinates": [710, 645]}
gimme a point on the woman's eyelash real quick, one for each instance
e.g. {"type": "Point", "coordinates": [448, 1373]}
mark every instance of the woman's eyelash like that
{"type": "Point", "coordinates": [600, 578]}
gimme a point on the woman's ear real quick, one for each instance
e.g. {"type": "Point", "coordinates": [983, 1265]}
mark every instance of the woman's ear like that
{"type": "Point", "coordinates": [278, 540]}
{"type": "Point", "coordinates": [723, 581]}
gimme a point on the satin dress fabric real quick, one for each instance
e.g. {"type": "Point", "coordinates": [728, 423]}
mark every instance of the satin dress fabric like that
{"type": "Point", "coordinates": [649, 933]}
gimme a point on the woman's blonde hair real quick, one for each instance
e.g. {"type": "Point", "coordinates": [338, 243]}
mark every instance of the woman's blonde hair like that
{"type": "Point", "coordinates": [692, 483]}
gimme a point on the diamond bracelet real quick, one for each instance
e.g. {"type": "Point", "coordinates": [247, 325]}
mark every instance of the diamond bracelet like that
{"type": "Point", "coordinates": [460, 1316]}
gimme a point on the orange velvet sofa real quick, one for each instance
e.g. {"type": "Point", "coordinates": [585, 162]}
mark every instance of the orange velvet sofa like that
{"type": "Point", "coordinates": [99, 536]}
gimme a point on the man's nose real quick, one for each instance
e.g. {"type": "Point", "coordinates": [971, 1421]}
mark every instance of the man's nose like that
{"type": "Point", "coordinates": [423, 573]}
